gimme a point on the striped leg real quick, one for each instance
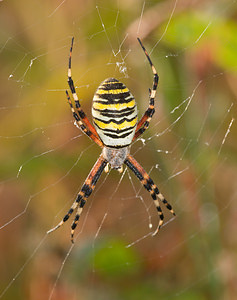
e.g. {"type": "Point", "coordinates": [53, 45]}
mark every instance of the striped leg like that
{"type": "Point", "coordinates": [145, 120]}
{"type": "Point", "coordinates": [149, 185]}
{"type": "Point", "coordinates": [81, 125]}
{"type": "Point", "coordinates": [80, 116]}
{"type": "Point", "coordinates": [84, 193]}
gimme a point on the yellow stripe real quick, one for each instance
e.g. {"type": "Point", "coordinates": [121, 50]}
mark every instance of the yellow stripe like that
{"type": "Point", "coordinates": [110, 82]}
{"type": "Point", "coordinates": [116, 91]}
{"type": "Point", "coordinates": [111, 125]}
{"type": "Point", "coordinates": [117, 106]}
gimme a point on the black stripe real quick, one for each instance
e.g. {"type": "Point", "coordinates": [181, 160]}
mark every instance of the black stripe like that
{"type": "Point", "coordinates": [82, 203]}
{"type": "Point", "coordinates": [98, 173]}
{"type": "Point", "coordinates": [141, 130]}
{"type": "Point", "coordinates": [113, 97]}
{"type": "Point", "coordinates": [118, 132]}
{"type": "Point", "coordinates": [66, 218]}
{"type": "Point", "coordinates": [117, 115]}
{"type": "Point", "coordinates": [150, 181]}
{"type": "Point", "coordinates": [152, 101]}
{"type": "Point", "coordinates": [150, 112]}
{"type": "Point", "coordinates": [147, 186]}
{"type": "Point", "coordinates": [115, 121]}
{"type": "Point", "coordinates": [115, 136]}
{"type": "Point", "coordinates": [79, 198]}
{"type": "Point", "coordinates": [111, 79]}
{"type": "Point", "coordinates": [74, 224]}
{"type": "Point", "coordinates": [75, 115]}
{"type": "Point", "coordinates": [114, 101]}
{"type": "Point", "coordinates": [117, 146]}
{"type": "Point", "coordinates": [111, 86]}
{"type": "Point", "coordinates": [71, 85]}
{"type": "Point", "coordinates": [134, 169]}
{"type": "Point", "coordinates": [81, 114]}
{"type": "Point", "coordinates": [87, 190]}
{"type": "Point", "coordinates": [112, 111]}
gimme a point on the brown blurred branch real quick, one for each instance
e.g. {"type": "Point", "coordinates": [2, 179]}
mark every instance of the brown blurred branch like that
{"type": "Point", "coordinates": [156, 15]}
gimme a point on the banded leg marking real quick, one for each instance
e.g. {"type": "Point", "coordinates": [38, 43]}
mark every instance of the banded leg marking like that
{"type": "Point", "coordinates": [80, 115]}
{"type": "Point", "coordinates": [84, 193]}
{"type": "Point", "coordinates": [145, 120]}
{"type": "Point", "coordinates": [149, 185]}
{"type": "Point", "coordinates": [78, 120]}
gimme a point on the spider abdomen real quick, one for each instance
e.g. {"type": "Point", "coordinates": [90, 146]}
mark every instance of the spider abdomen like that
{"type": "Point", "coordinates": [114, 113]}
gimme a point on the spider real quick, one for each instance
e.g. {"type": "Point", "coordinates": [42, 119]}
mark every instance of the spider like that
{"type": "Point", "coordinates": [115, 127]}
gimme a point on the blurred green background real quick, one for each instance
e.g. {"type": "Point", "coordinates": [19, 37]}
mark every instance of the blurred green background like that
{"type": "Point", "coordinates": [189, 151]}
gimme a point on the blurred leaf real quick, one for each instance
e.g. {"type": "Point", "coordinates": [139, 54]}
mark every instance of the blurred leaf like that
{"type": "Point", "coordinates": [185, 29]}
{"type": "Point", "coordinates": [197, 30]}
{"type": "Point", "coordinates": [114, 260]}
{"type": "Point", "coordinates": [226, 45]}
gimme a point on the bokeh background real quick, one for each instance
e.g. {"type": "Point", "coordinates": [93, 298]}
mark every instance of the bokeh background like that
{"type": "Point", "coordinates": [189, 150]}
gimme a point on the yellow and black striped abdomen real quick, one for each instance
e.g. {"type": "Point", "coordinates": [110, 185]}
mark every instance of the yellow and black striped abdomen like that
{"type": "Point", "coordinates": [114, 113]}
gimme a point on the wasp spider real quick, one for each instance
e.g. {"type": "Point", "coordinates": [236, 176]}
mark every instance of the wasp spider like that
{"type": "Point", "coordinates": [115, 127]}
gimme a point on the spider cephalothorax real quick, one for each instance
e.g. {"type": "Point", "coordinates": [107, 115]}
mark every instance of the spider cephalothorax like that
{"type": "Point", "coordinates": [115, 157]}
{"type": "Point", "coordinates": [114, 112]}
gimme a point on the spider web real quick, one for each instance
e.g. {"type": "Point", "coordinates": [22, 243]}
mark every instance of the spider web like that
{"type": "Point", "coordinates": [188, 150]}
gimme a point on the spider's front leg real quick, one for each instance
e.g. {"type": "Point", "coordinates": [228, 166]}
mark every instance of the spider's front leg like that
{"type": "Point", "coordinates": [149, 185]}
{"type": "Point", "coordinates": [84, 193]}
{"type": "Point", "coordinates": [78, 113]}
{"type": "Point", "coordinates": [145, 120]}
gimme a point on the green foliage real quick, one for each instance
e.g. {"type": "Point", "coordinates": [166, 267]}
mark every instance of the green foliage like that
{"type": "Point", "coordinates": [186, 28]}
{"type": "Point", "coordinates": [195, 30]}
{"type": "Point", "coordinates": [114, 261]}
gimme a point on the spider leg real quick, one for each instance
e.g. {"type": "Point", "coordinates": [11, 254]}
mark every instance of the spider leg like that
{"type": "Point", "coordinates": [145, 120]}
{"type": "Point", "coordinates": [84, 193]}
{"type": "Point", "coordinates": [80, 114]}
{"type": "Point", "coordinates": [149, 185]}
{"type": "Point", "coordinates": [80, 123]}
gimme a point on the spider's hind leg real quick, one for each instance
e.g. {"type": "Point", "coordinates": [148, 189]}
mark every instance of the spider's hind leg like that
{"type": "Point", "coordinates": [67, 216]}
{"type": "Point", "coordinates": [84, 193]}
{"type": "Point", "coordinates": [149, 185]}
